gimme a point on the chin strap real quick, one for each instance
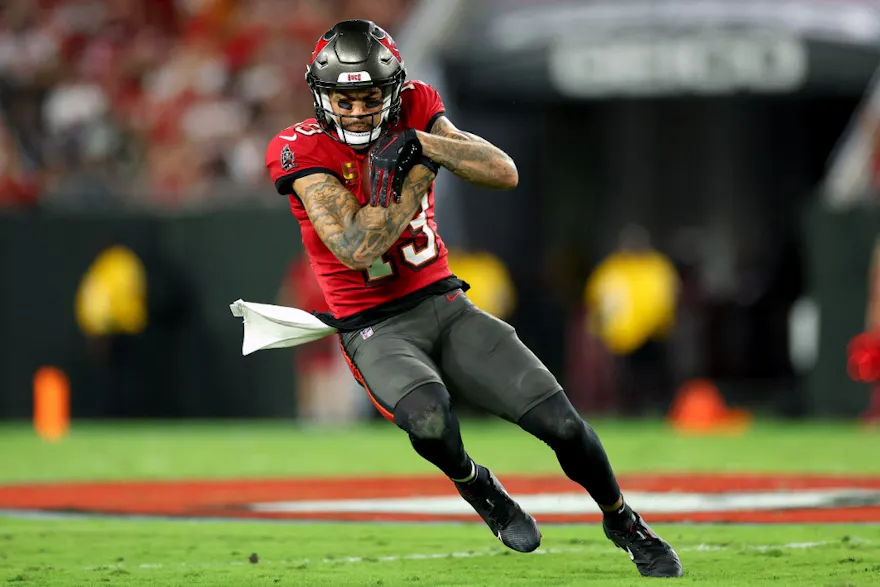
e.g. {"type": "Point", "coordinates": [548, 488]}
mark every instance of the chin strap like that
{"type": "Point", "coordinates": [358, 139]}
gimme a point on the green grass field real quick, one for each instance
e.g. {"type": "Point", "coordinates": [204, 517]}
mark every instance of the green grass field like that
{"type": "Point", "coordinates": [89, 551]}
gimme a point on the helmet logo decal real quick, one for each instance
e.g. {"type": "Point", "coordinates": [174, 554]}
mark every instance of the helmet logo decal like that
{"type": "Point", "coordinates": [388, 43]}
{"type": "Point", "coordinates": [354, 76]}
{"type": "Point", "coordinates": [322, 42]}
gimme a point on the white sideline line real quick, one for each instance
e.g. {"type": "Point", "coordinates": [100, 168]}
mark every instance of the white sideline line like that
{"type": "Point", "coordinates": [762, 548]}
{"type": "Point", "coordinates": [342, 559]}
{"type": "Point", "coordinates": [472, 554]}
{"type": "Point", "coordinates": [766, 547]}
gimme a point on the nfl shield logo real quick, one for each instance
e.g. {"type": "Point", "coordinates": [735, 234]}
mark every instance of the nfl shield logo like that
{"type": "Point", "coordinates": [367, 333]}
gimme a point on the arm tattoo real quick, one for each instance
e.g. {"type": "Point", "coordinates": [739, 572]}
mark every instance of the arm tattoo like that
{"type": "Point", "coordinates": [357, 235]}
{"type": "Point", "coordinates": [470, 157]}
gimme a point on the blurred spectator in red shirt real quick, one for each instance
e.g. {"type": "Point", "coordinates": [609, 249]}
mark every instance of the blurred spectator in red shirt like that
{"type": "Point", "coordinates": [326, 391]}
{"type": "Point", "coordinates": [158, 103]}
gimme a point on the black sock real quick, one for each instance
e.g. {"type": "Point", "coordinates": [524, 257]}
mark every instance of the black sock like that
{"type": "Point", "coordinates": [470, 477]}
{"type": "Point", "coordinates": [577, 447]}
{"type": "Point", "coordinates": [447, 454]}
{"type": "Point", "coordinates": [619, 519]}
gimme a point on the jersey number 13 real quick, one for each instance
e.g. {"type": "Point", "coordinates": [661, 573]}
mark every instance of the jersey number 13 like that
{"type": "Point", "coordinates": [417, 252]}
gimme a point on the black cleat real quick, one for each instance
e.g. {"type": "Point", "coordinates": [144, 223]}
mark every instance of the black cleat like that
{"type": "Point", "coordinates": [513, 527]}
{"type": "Point", "coordinates": [652, 556]}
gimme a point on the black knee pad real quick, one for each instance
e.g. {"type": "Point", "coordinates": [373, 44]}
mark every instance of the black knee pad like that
{"type": "Point", "coordinates": [425, 412]}
{"type": "Point", "coordinates": [555, 421]}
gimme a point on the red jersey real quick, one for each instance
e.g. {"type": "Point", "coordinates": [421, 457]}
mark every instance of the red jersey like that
{"type": "Point", "coordinates": [415, 261]}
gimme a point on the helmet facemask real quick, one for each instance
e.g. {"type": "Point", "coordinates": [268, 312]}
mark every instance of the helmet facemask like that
{"type": "Point", "coordinates": [331, 122]}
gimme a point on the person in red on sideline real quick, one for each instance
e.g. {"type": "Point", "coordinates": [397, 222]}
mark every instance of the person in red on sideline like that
{"type": "Point", "coordinates": [863, 351]}
{"type": "Point", "coordinates": [325, 391]}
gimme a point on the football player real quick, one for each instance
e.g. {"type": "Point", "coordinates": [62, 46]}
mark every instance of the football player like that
{"type": "Point", "coordinates": [359, 177]}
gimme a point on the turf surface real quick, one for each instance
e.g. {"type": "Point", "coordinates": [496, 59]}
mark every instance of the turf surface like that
{"type": "Point", "coordinates": [56, 553]}
{"type": "Point", "coordinates": [74, 552]}
{"type": "Point", "coordinates": [277, 449]}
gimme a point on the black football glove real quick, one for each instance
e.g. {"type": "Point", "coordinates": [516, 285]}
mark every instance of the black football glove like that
{"type": "Point", "coordinates": [391, 158]}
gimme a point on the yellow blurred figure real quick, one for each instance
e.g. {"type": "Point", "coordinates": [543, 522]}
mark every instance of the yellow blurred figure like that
{"type": "Point", "coordinates": [491, 286]}
{"type": "Point", "coordinates": [112, 295]}
{"type": "Point", "coordinates": [631, 295]}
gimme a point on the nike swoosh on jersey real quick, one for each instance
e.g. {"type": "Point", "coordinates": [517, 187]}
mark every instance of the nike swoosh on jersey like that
{"type": "Point", "coordinates": [287, 137]}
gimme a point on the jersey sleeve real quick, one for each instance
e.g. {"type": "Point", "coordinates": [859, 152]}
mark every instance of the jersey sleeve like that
{"type": "Point", "coordinates": [292, 155]}
{"type": "Point", "coordinates": [423, 103]}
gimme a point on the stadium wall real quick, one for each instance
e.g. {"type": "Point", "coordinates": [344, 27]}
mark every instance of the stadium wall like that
{"type": "Point", "coordinates": [187, 362]}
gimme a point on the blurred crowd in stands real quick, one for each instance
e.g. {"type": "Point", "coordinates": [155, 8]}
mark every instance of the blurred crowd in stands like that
{"type": "Point", "coordinates": [162, 105]}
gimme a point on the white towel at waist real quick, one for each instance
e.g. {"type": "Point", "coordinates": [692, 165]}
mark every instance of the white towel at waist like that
{"type": "Point", "coordinates": [273, 327]}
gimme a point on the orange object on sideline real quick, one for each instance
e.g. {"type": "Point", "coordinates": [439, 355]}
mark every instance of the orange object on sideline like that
{"type": "Point", "coordinates": [51, 403]}
{"type": "Point", "coordinates": [699, 408]}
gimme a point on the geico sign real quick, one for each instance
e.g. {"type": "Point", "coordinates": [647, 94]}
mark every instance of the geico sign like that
{"type": "Point", "coordinates": [665, 65]}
